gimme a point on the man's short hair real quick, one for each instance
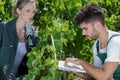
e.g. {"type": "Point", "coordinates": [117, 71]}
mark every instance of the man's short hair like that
{"type": "Point", "coordinates": [89, 13]}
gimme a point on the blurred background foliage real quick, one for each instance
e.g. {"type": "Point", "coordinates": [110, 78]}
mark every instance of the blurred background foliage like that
{"type": "Point", "coordinates": [59, 36]}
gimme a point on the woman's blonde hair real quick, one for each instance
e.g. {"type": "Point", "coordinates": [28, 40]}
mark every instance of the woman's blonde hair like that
{"type": "Point", "coordinates": [20, 4]}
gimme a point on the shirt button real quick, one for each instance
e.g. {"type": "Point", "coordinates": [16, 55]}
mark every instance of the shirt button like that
{"type": "Point", "coordinates": [11, 45]}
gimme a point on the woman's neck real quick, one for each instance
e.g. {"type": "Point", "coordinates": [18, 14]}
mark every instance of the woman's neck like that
{"type": "Point", "coordinates": [20, 28]}
{"type": "Point", "coordinates": [20, 24]}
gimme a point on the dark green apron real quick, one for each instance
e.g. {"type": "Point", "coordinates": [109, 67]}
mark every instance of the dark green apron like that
{"type": "Point", "coordinates": [103, 56]}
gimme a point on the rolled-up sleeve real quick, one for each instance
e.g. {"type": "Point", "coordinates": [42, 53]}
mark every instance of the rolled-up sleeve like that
{"type": "Point", "coordinates": [113, 50]}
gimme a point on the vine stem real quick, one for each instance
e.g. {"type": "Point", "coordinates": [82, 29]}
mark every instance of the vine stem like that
{"type": "Point", "coordinates": [53, 47]}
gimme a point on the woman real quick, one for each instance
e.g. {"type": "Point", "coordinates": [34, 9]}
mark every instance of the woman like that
{"type": "Point", "coordinates": [16, 40]}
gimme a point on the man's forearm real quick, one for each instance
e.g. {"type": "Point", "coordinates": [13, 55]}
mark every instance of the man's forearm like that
{"type": "Point", "coordinates": [84, 76]}
{"type": "Point", "coordinates": [87, 77]}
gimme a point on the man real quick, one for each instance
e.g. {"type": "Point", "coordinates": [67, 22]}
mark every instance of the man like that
{"type": "Point", "coordinates": [106, 49]}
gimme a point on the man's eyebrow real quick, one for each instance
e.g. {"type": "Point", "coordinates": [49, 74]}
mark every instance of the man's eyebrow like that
{"type": "Point", "coordinates": [84, 28]}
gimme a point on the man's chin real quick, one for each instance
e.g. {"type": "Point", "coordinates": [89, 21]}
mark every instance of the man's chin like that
{"type": "Point", "coordinates": [89, 38]}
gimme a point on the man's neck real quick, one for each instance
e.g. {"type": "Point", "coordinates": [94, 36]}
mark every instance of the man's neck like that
{"type": "Point", "coordinates": [103, 39]}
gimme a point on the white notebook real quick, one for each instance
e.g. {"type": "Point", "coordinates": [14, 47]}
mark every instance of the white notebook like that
{"type": "Point", "coordinates": [70, 67]}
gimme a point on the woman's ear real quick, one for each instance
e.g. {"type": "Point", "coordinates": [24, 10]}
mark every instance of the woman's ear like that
{"type": "Point", "coordinates": [18, 11]}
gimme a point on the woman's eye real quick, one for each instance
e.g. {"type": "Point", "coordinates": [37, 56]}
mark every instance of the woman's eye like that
{"type": "Point", "coordinates": [34, 11]}
{"type": "Point", "coordinates": [28, 10]}
{"type": "Point", "coordinates": [31, 11]}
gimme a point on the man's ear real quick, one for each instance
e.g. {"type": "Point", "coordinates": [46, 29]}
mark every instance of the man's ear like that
{"type": "Point", "coordinates": [98, 24]}
{"type": "Point", "coordinates": [99, 27]}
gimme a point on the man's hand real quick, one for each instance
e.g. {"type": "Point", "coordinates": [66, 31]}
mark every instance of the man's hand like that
{"type": "Point", "coordinates": [72, 60]}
